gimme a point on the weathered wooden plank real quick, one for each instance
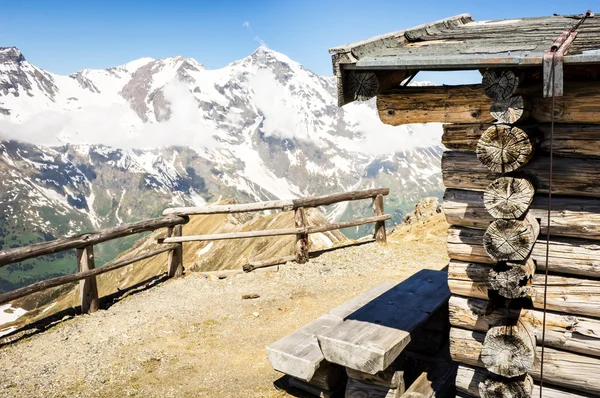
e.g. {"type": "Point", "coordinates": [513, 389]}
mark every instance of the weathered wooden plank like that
{"type": "Point", "coordinates": [252, 265]}
{"type": "Point", "coordinates": [511, 240]}
{"type": "Point", "coordinates": [570, 177]}
{"type": "Point", "coordinates": [285, 205]}
{"type": "Point", "coordinates": [569, 217]}
{"type": "Point", "coordinates": [438, 379]}
{"type": "Point", "coordinates": [569, 295]}
{"type": "Point", "coordinates": [468, 380]}
{"type": "Point", "coordinates": [175, 262]}
{"type": "Point", "coordinates": [360, 389]}
{"type": "Point", "coordinates": [391, 377]}
{"type": "Point", "coordinates": [302, 241]}
{"type": "Point", "coordinates": [62, 280]}
{"type": "Point", "coordinates": [469, 104]}
{"type": "Point", "coordinates": [275, 232]}
{"type": "Point", "coordinates": [503, 148]}
{"type": "Point", "coordinates": [88, 287]}
{"type": "Point", "coordinates": [565, 332]}
{"type": "Point", "coordinates": [79, 241]}
{"type": "Point", "coordinates": [563, 369]}
{"type": "Point", "coordinates": [298, 354]}
{"type": "Point", "coordinates": [445, 104]}
{"type": "Point", "coordinates": [570, 140]}
{"type": "Point", "coordinates": [566, 255]}
{"type": "Point", "coordinates": [380, 235]}
{"type": "Point", "coordinates": [509, 348]}
{"type": "Point", "coordinates": [372, 337]}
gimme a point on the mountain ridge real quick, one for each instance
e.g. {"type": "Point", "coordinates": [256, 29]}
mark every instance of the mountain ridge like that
{"type": "Point", "coordinates": [120, 144]}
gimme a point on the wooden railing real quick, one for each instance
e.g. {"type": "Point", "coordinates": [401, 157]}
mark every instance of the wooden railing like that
{"type": "Point", "coordinates": [173, 219]}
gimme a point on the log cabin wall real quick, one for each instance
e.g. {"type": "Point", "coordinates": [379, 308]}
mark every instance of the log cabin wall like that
{"type": "Point", "coordinates": [496, 171]}
{"type": "Point", "coordinates": [497, 179]}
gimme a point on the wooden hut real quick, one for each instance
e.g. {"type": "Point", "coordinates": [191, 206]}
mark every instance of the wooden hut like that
{"type": "Point", "coordinates": [531, 127]}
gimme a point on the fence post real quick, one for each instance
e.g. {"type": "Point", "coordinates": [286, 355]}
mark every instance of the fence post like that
{"type": "Point", "coordinates": [380, 235]}
{"type": "Point", "coordinates": [88, 287]}
{"type": "Point", "coordinates": [175, 263]}
{"type": "Point", "coordinates": [301, 239]}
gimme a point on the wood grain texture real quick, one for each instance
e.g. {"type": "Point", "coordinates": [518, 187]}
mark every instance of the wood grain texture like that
{"type": "Point", "coordinates": [360, 389]}
{"type": "Point", "coordinates": [285, 205]}
{"type": "Point", "coordinates": [469, 104]}
{"type": "Point", "coordinates": [571, 176]}
{"type": "Point", "coordinates": [469, 380]}
{"type": "Point", "coordinates": [570, 140]}
{"type": "Point", "coordinates": [564, 369]}
{"type": "Point", "coordinates": [509, 348]}
{"type": "Point", "coordinates": [361, 86]}
{"type": "Point", "coordinates": [508, 197]}
{"type": "Point", "coordinates": [510, 110]}
{"type": "Point", "coordinates": [371, 338]}
{"type": "Point", "coordinates": [275, 232]}
{"type": "Point", "coordinates": [503, 148]}
{"type": "Point", "coordinates": [563, 331]}
{"type": "Point", "coordinates": [378, 210]}
{"type": "Point", "coordinates": [569, 295]}
{"type": "Point", "coordinates": [511, 240]}
{"type": "Point", "coordinates": [511, 280]}
{"type": "Point", "coordinates": [298, 354]}
{"type": "Point", "coordinates": [445, 104]}
{"type": "Point", "coordinates": [569, 217]}
{"type": "Point", "coordinates": [499, 85]}
{"type": "Point", "coordinates": [88, 287]}
{"type": "Point", "coordinates": [514, 388]}
{"type": "Point", "coordinates": [391, 377]}
{"type": "Point", "coordinates": [302, 243]}
{"type": "Point", "coordinates": [175, 261]}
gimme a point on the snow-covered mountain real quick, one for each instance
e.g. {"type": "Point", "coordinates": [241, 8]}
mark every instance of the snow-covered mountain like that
{"type": "Point", "coordinates": [101, 147]}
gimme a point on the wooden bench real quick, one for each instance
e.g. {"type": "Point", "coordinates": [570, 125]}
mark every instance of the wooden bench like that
{"type": "Point", "coordinates": [299, 355]}
{"type": "Point", "coordinates": [373, 336]}
{"type": "Point", "coordinates": [365, 335]}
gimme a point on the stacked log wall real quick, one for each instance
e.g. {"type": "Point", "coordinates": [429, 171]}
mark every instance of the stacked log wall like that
{"type": "Point", "coordinates": [497, 179]}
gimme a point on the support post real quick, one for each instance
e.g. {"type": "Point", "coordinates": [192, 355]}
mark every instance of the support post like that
{"type": "Point", "coordinates": [301, 239]}
{"type": "Point", "coordinates": [380, 235]}
{"type": "Point", "coordinates": [88, 287]}
{"type": "Point", "coordinates": [175, 264]}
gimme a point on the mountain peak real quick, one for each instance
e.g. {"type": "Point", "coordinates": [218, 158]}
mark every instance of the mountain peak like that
{"type": "Point", "coordinates": [11, 54]}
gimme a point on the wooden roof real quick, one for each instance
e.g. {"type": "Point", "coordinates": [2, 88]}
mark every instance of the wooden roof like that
{"type": "Point", "coordinates": [460, 43]}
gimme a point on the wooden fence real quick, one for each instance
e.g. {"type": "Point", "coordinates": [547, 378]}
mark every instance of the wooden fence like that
{"type": "Point", "coordinates": [173, 219]}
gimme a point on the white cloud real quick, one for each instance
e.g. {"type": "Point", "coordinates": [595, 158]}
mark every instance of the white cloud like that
{"type": "Point", "coordinates": [257, 38]}
{"type": "Point", "coordinates": [246, 24]}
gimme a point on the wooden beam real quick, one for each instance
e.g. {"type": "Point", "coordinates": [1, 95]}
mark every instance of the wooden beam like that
{"type": "Point", "coordinates": [565, 369]}
{"type": "Point", "coordinates": [468, 380]}
{"type": "Point", "coordinates": [284, 205]}
{"type": "Point", "coordinates": [565, 294]}
{"type": "Point", "coordinates": [252, 265]}
{"type": "Point", "coordinates": [444, 104]}
{"type": "Point", "coordinates": [508, 197]}
{"type": "Point", "coordinates": [569, 256]}
{"type": "Point", "coordinates": [570, 216]}
{"type": "Point", "coordinates": [563, 331]}
{"type": "Point", "coordinates": [10, 256]}
{"type": "Point", "coordinates": [88, 288]}
{"type": "Point", "coordinates": [509, 348]}
{"type": "Point", "coordinates": [175, 262]}
{"type": "Point", "coordinates": [511, 240]}
{"type": "Point", "coordinates": [503, 148]}
{"type": "Point", "coordinates": [62, 280]}
{"type": "Point", "coordinates": [470, 104]}
{"type": "Point", "coordinates": [276, 232]}
{"type": "Point", "coordinates": [380, 235]}
{"type": "Point", "coordinates": [571, 176]}
{"type": "Point", "coordinates": [302, 242]}
{"type": "Point", "coordinates": [499, 85]}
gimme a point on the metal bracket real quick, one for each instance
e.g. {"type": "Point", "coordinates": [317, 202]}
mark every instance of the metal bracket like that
{"type": "Point", "coordinates": [556, 52]}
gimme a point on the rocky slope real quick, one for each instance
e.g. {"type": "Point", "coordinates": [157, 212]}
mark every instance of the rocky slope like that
{"type": "Point", "coordinates": [101, 147]}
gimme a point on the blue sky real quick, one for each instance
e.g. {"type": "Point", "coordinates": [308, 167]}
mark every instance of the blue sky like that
{"type": "Point", "coordinates": [67, 36]}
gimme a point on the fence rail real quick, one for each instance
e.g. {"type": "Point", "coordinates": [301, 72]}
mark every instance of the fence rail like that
{"type": "Point", "coordinates": [173, 219]}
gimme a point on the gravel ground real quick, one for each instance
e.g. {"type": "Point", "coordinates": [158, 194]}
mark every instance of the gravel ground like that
{"type": "Point", "coordinates": [193, 336]}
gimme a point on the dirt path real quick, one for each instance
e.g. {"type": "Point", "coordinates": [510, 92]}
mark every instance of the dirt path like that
{"type": "Point", "coordinates": [197, 337]}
